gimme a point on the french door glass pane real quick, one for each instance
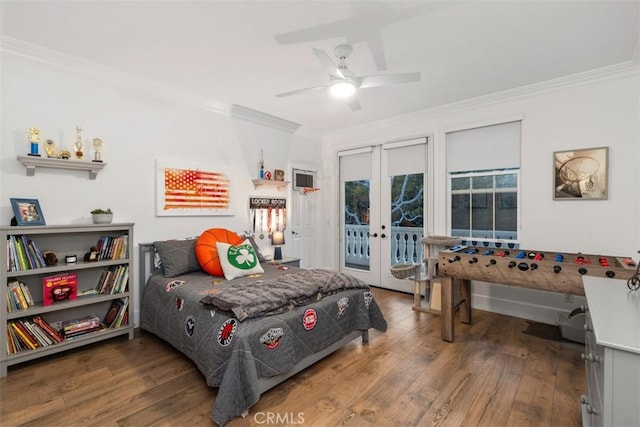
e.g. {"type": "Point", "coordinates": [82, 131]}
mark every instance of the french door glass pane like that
{"type": "Point", "coordinates": [356, 222]}
{"type": "Point", "coordinates": [407, 218]}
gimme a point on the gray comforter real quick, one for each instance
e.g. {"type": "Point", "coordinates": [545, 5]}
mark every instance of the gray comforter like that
{"type": "Point", "coordinates": [278, 294]}
{"type": "Point", "coordinates": [234, 355]}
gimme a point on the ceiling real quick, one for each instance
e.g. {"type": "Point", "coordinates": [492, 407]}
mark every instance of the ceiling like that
{"type": "Point", "coordinates": [243, 53]}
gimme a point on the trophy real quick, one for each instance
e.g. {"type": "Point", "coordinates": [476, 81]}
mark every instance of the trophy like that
{"type": "Point", "coordinates": [97, 146]}
{"type": "Point", "coordinates": [50, 148]}
{"type": "Point", "coordinates": [34, 139]}
{"type": "Point", "coordinates": [79, 145]}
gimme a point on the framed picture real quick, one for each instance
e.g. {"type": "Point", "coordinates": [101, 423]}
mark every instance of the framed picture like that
{"type": "Point", "coordinates": [27, 212]}
{"type": "Point", "coordinates": [191, 189]}
{"type": "Point", "coordinates": [580, 174]}
{"type": "Point", "coordinates": [278, 174]}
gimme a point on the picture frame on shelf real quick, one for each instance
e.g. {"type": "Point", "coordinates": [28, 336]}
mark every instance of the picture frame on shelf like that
{"type": "Point", "coordinates": [27, 211]}
{"type": "Point", "coordinates": [581, 174]}
{"type": "Point", "coordinates": [278, 175]}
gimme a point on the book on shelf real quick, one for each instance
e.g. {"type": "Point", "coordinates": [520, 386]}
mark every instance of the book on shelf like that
{"type": "Point", "coordinates": [30, 333]}
{"type": "Point", "coordinates": [81, 326]}
{"type": "Point", "coordinates": [27, 293]}
{"type": "Point", "coordinates": [16, 344]}
{"type": "Point", "coordinates": [80, 323]}
{"type": "Point", "coordinates": [117, 315]}
{"type": "Point", "coordinates": [31, 256]}
{"type": "Point", "coordinates": [110, 247]}
{"type": "Point", "coordinates": [113, 280]}
{"type": "Point", "coordinates": [59, 287]}
{"type": "Point", "coordinates": [16, 292]}
{"type": "Point", "coordinates": [11, 263]}
{"type": "Point", "coordinates": [23, 254]}
{"type": "Point", "coordinates": [104, 244]}
{"type": "Point", "coordinates": [23, 335]}
{"type": "Point", "coordinates": [120, 284]}
{"type": "Point", "coordinates": [18, 296]}
{"type": "Point", "coordinates": [75, 334]}
{"type": "Point", "coordinates": [48, 328]}
{"type": "Point", "coordinates": [38, 334]}
{"type": "Point", "coordinates": [38, 253]}
{"type": "Point", "coordinates": [11, 346]}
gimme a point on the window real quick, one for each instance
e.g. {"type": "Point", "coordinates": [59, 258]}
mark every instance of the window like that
{"type": "Point", "coordinates": [483, 166]}
{"type": "Point", "coordinates": [484, 205]}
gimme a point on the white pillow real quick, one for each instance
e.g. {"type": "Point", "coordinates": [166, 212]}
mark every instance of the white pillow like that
{"type": "Point", "coordinates": [239, 260]}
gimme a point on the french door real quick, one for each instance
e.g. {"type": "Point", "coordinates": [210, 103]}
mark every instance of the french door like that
{"type": "Point", "coordinates": [382, 219]}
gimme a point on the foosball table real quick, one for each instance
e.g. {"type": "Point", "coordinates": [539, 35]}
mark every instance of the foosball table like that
{"type": "Point", "coordinates": [547, 271]}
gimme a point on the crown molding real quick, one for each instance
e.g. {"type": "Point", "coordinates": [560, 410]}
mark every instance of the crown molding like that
{"type": "Point", "coordinates": [628, 68]}
{"type": "Point", "coordinates": [244, 113]}
{"type": "Point", "coordinates": [61, 60]}
{"type": "Point", "coordinates": [111, 75]}
{"type": "Point", "coordinates": [578, 79]}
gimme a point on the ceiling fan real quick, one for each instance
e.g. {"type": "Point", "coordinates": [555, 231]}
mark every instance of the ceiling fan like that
{"type": "Point", "coordinates": [343, 83]}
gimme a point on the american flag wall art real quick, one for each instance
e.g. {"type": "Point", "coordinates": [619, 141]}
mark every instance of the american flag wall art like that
{"type": "Point", "coordinates": [192, 191]}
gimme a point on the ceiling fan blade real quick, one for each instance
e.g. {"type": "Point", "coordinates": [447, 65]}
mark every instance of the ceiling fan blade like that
{"type": "Point", "coordinates": [296, 92]}
{"type": "Point", "coordinates": [388, 79]}
{"type": "Point", "coordinates": [377, 51]}
{"type": "Point", "coordinates": [319, 32]}
{"type": "Point", "coordinates": [329, 65]}
{"type": "Point", "coordinates": [354, 103]}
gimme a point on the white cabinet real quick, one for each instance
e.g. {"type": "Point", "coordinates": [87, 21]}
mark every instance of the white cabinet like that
{"type": "Point", "coordinates": [612, 354]}
{"type": "Point", "coordinates": [67, 240]}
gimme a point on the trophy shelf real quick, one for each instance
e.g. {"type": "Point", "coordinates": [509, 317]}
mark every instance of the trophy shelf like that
{"type": "Point", "coordinates": [33, 162]}
{"type": "Point", "coordinates": [257, 183]}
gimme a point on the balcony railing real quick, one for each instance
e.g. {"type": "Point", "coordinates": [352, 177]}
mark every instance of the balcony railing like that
{"type": "Point", "coordinates": [406, 245]}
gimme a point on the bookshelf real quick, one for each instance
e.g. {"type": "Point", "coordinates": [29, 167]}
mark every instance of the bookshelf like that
{"type": "Point", "coordinates": [89, 276]}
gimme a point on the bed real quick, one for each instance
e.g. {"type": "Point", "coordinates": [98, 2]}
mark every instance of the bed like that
{"type": "Point", "coordinates": [246, 348]}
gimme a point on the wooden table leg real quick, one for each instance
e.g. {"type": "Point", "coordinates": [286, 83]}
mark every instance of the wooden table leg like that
{"type": "Point", "coordinates": [446, 315]}
{"type": "Point", "coordinates": [465, 296]}
{"type": "Point", "coordinates": [417, 295]}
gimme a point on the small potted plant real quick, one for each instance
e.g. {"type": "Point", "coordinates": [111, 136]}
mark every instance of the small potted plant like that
{"type": "Point", "coordinates": [102, 216]}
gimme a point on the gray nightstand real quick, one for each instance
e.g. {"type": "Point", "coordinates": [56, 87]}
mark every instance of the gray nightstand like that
{"type": "Point", "coordinates": [292, 262]}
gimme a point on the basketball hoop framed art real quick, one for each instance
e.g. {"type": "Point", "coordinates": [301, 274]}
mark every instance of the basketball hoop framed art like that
{"type": "Point", "coordinates": [581, 174]}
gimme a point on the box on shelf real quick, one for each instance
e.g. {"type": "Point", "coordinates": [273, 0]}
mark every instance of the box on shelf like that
{"type": "Point", "coordinates": [60, 287]}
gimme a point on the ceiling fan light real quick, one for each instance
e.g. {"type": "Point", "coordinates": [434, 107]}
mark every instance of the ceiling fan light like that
{"type": "Point", "coordinates": [342, 89]}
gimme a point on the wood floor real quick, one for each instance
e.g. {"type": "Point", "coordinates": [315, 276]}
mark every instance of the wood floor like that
{"type": "Point", "coordinates": [494, 374]}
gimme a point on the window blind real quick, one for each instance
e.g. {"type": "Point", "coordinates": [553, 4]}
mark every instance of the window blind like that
{"type": "Point", "coordinates": [484, 148]}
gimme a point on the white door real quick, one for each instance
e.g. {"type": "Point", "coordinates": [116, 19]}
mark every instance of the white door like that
{"type": "Point", "coordinates": [359, 217]}
{"type": "Point", "coordinates": [383, 210]}
{"type": "Point", "coordinates": [303, 224]}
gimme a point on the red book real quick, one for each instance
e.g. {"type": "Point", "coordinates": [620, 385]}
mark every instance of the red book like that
{"type": "Point", "coordinates": [50, 330]}
{"type": "Point", "coordinates": [61, 287]}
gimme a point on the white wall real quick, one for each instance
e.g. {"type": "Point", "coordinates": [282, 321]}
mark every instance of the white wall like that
{"type": "Point", "coordinates": [137, 126]}
{"type": "Point", "coordinates": [580, 112]}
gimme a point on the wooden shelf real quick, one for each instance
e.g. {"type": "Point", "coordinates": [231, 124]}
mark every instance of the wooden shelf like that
{"type": "Point", "coordinates": [65, 240]}
{"type": "Point", "coordinates": [257, 183]}
{"type": "Point", "coordinates": [33, 162]}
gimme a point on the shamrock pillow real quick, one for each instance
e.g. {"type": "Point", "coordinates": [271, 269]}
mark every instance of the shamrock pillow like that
{"type": "Point", "coordinates": [238, 260]}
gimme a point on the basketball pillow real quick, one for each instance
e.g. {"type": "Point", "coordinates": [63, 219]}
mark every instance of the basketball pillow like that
{"type": "Point", "coordinates": [207, 252]}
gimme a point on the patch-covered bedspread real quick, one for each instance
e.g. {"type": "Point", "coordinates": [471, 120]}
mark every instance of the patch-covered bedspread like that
{"type": "Point", "coordinates": [235, 355]}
